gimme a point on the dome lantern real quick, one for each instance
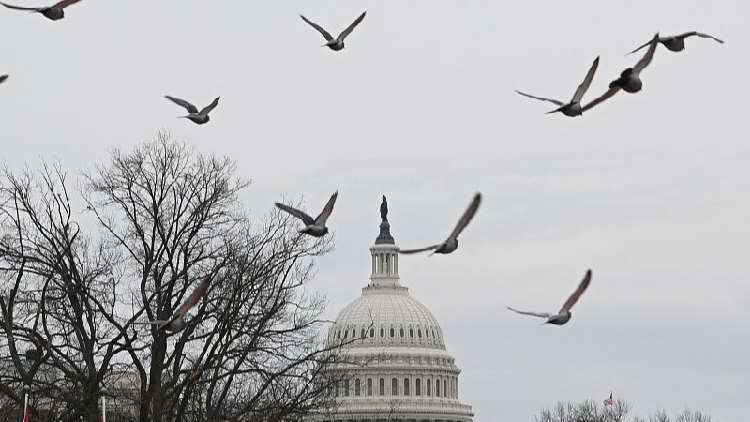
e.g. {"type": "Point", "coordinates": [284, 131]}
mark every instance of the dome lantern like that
{"type": "Point", "coordinates": [384, 254]}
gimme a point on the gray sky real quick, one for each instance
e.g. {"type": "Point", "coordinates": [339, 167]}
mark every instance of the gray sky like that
{"type": "Point", "coordinates": [650, 190]}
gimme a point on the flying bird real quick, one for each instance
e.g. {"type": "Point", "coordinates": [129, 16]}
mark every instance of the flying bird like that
{"type": "Point", "coordinates": [198, 117]}
{"type": "Point", "coordinates": [3, 78]}
{"type": "Point", "coordinates": [54, 12]}
{"type": "Point", "coordinates": [630, 78]}
{"type": "Point", "coordinates": [313, 226]}
{"type": "Point", "coordinates": [676, 43]}
{"type": "Point", "coordinates": [562, 316]}
{"type": "Point", "coordinates": [337, 43]}
{"type": "Point", "coordinates": [177, 322]}
{"type": "Point", "coordinates": [451, 243]}
{"type": "Point", "coordinates": [572, 108]}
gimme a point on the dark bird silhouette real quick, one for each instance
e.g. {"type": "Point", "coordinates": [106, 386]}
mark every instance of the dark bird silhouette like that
{"type": "Point", "coordinates": [630, 78]}
{"type": "Point", "coordinates": [54, 12]}
{"type": "Point", "coordinates": [572, 108]}
{"type": "Point", "coordinates": [564, 315]}
{"type": "Point", "coordinates": [676, 43]}
{"type": "Point", "coordinates": [177, 322]}
{"type": "Point", "coordinates": [3, 78]}
{"type": "Point", "coordinates": [197, 117]}
{"type": "Point", "coordinates": [337, 43]}
{"type": "Point", "coordinates": [313, 226]}
{"type": "Point", "coordinates": [451, 243]}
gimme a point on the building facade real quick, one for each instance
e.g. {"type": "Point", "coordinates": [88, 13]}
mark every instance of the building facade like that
{"type": "Point", "coordinates": [396, 367]}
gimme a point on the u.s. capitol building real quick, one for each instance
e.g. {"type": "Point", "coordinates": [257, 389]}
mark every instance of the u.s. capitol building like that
{"type": "Point", "coordinates": [397, 367]}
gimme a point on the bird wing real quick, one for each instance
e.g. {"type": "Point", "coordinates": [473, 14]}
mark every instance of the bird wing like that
{"type": "Point", "coordinates": [644, 45]}
{"type": "Point", "coordinates": [194, 297]}
{"type": "Point", "coordinates": [468, 215]}
{"type": "Point", "coordinates": [190, 108]}
{"type": "Point", "coordinates": [699, 34]}
{"type": "Point", "coordinates": [553, 101]}
{"type": "Point", "coordinates": [610, 92]}
{"type": "Point", "coordinates": [584, 86]}
{"type": "Point", "coordinates": [3, 78]}
{"type": "Point", "coordinates": [207, 109]}
{"type": "Point", "coordinates": [536, 314]}
{"type": "Point", "coordinates": [646, 59]}
{"type": "Point", "coordinates": [345, 33]}
{"type": "Point", "coordinates": [65, 3]}
{"type": "Point", "coordinates": [318, 27]}
{"type": "Point", "coordinates": [579, 291]}
{"type": "Point", "coordinates": [297, 213]}
{"type": "Point", "coordinates": [411, 251]}
{"type": "Point", "coordinates": [321, 219]}
{"type": "Point", "coordinates": [10, 6]}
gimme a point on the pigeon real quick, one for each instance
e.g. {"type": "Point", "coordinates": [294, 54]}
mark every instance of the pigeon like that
{"type": "Point", "coordinates": [177, 322]}
{"type": "Point", "coordinates": [315, 227]}
{"type": "Point", "coordinates": [197, 117]}
{"type": "Point", "coordinates": [451, 243]}
{"type": "Point", "coordinates": [676, 43]}
{"type": "Point", "coordinates": [3, 78]}
{"type": "Point", "coordinates": [564, 315]}
{"type": "Point", "coordinates": [629, 79]}
{"type": "Point", "coordinates": [54, 12]}
{"type": "Point", "coordinates": [335, 44]}
{"type": "Point", "coordinates": [573, 108]}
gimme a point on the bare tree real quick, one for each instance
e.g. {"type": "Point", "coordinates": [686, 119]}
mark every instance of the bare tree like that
{"type": "Point", "coordinates": [55, 287]}
{"type": "Point", "coordinates": [592, 411]}
{"type": "Point", "coordinates": [76, 306]}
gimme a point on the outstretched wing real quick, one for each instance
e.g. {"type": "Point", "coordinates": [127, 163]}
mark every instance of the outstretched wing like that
{"type": "Point", "coordinates": [65, 3]}
{"type": "Point", "coordinates": [468, 215]}
{"type": "Point", "coordinates": [10, 6]}
{"type": "Point", "coordinates": [207, 109]}
{"type": "Point", "coordinates": [639, 48]}
{"type": "Point", "coordinates": [318, 27]}
{"type": "Point", "coordinates": [610, 92]}
{"type": "Point", "coordinates": [194, 297]}
{"type": "Point", "coordinates": [536, 314]}
{"type": "Point", "coordinates": [646, 59]}
{"type": "Point", "coordinates": [297, 213]}
{"type": "Point", "coordinates": [699, 34]}
{"type": "Point", "coordinates": [345, 33]}
{"type": "Point", "coordinates": [190, 108]}
{"type": "Point", "coordinates": [584, 86]}
{"type": "Point", "coordinates": [553, 101]}
{"type": "Point", "coordinates": [411, 251]}
{"type": "Point", "coordinates": [321, 219]}
{"type": "Point", "coordinates": [579, 291]}
{"type": "Point", "coordinates": [3, 78]}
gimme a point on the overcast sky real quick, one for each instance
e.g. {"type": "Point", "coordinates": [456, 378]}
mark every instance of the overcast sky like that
{"type": "Point", "coordinates": [651, 191]}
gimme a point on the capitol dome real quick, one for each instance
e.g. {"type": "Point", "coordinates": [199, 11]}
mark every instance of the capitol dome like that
{"type": "Point", "coordinates": [395, 365]}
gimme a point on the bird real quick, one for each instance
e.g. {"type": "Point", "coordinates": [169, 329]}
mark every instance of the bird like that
{"type": "Point", "coordinates": [315, 227]}
{"type": "Point", "coordinates": [573, 108]}
{"type": "Point", "coordinates": [676, 43]}
{"type": "Point", "coordinates": [177, 322]}
{"type": "Point", "coordinates": [451, 243]}
{"type": "Point", "coordinates": [630, 78]}
{"type": "Point", "coordinates": [564, 314]}
{"type": "Point", "coordinates": [54, 12]}
{"type": "Point", "coordinates": [3, 78]}
{"type": "Point", "coordinates": [337, 43]}
{"type": "Point", "coordinates": [197, 117]}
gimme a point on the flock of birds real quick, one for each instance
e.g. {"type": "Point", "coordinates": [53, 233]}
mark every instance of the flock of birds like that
{"type": "Point", "coordinates": [629, 81]}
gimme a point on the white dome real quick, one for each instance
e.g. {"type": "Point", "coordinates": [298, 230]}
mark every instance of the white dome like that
{"type": "Point", "coordinates": [387, 316]}
{"type": "Point", "coordinates": [395, 366]}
